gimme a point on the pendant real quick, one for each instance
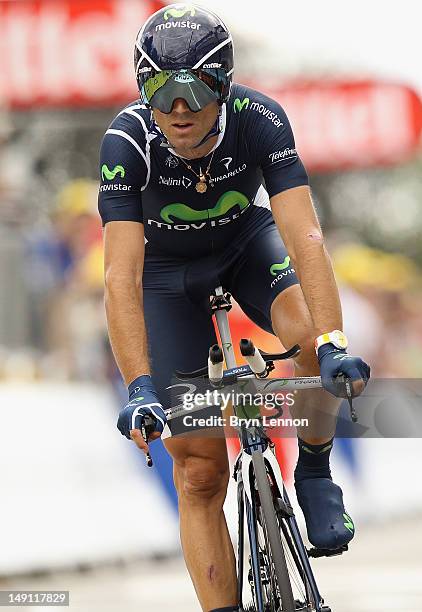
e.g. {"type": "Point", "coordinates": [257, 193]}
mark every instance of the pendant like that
{"type": "Point", "coordinates": [201, 187]}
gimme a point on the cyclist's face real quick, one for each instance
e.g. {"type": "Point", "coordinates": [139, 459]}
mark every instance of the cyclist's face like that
{"type": "Point", "coordinates": [183, 128]}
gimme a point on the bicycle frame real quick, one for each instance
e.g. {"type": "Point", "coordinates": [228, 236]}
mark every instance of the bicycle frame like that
{"type": "Point", "coordinates": [252, 440]}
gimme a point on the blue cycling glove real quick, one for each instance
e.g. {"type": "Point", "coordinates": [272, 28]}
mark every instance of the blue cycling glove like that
{"type": "Point", "coordinates": [335, 362]}
{"type": "Point", "coordinates": [143, 402]}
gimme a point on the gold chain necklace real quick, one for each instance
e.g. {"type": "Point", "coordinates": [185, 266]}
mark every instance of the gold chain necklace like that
{"type": "Point", "coordinates": [201, 186]}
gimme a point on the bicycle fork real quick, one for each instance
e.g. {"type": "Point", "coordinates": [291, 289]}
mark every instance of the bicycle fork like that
{"type": "Point", "coordinates": [245, 507]}
{"type": "Point", "coordinates": [293, 537]}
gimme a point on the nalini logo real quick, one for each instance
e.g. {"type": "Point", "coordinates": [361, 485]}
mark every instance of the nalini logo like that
{"type": "Point", "coordinates": [108, 174]}
{"type": "Point", "coordinates": [280, 270]}
{"type": "Point", "coordinates": [175, 182]}
{"type": "Point", "coordinates": [179, 10]}
{"type": "Point", "coordinates": [239, 105]}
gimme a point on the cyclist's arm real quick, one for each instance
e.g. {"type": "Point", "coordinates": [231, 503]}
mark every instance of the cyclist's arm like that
{"type": "Point", "coordinates": [286, 182]}
{"type": "Point", "coordinates": [123, 174]}
{"type": "Point", "coordinates": [124, 260]}
{"type": "Point", "coordinates": [298, 225]}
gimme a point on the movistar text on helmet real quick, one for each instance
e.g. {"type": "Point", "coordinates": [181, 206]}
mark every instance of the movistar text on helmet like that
{"type": "Point", "coordinates": [177, 24]}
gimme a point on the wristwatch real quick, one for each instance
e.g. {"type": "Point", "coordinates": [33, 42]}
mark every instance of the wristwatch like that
{"type": "Point", "coordinates": [335, 337]}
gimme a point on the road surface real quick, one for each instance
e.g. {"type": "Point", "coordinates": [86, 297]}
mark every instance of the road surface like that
{"type": "Point", "coordinates": [382, 572]}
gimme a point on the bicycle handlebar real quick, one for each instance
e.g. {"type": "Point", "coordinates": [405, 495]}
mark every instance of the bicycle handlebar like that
{"type": "Point", "coordinates": [267, 357]}
{"type": "Point", "coordinates": [260, 365]}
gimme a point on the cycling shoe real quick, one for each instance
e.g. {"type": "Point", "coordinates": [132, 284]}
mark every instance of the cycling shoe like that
{"type": "Point", "coordinates": [327, 522]}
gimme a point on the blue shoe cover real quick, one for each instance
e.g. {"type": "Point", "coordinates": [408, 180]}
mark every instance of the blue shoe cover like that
{"type": "Point", "coordinates": [327, 522]}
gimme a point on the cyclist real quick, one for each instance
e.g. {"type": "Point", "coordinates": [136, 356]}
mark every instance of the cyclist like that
{"type": "Point", "coordinates": [202, 186]}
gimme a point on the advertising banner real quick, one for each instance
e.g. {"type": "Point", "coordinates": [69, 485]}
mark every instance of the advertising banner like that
{"type": "Point", "coordinates": [69, 52]}
{"type": "Point", "coordinates": [77, 53]}
{"type": "Point", "coordinates": [342, 125]}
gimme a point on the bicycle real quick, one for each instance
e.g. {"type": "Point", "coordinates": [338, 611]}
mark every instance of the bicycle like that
{"type": "Point", "coordinates": [280, 574]}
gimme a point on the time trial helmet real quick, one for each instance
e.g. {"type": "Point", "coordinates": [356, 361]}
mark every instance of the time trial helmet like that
{"type": "Point", "coordinates": [183, 51]}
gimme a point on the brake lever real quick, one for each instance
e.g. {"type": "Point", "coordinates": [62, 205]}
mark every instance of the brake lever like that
{"type": "Point", "coordinates": [348, 387]}
{"type": "Point", "coordinates": [147, 427]}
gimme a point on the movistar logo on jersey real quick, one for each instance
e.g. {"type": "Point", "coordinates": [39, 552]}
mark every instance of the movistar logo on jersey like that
{"type": "Point", "coordinates": [179, 10]}
{"type": "Point", "coordinates": [189, 218]}
{"type": "Point", "coordinates": [239, 105]}
{"type": "Point", "coordinates": [115, 187]}
{"type": "Point", "coordinates": [223, 206]}
{"type": "Point", "coordinates": [108, 174]}
{"type": "Point", "coordinates": [277, 267]}
{"type": "Point", "coordinates": [263, 110]}
{"type": "Point", "coordinates": [280, 270]}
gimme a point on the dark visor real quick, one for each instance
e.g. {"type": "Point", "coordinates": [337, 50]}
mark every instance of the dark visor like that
{"type": "Point", "coordinates": [198, 88]}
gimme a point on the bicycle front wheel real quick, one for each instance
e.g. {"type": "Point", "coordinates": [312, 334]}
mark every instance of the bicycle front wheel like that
{"type": "Point", "coordinates": [278, 575]}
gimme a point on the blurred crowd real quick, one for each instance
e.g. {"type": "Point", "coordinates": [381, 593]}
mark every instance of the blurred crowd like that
{"type": "Point", "coordinates": [52, 320]}
{"type": "Point", "coordinates": [62, 273]}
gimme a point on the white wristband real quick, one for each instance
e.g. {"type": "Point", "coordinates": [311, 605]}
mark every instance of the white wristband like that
{"type": "Point", "coordinates": [335, 337]}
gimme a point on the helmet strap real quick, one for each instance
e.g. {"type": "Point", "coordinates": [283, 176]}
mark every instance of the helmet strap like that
{"type": "Point", "coordinates": [214, 131]}
{"type": "Point", "coordinates": [156, 130]}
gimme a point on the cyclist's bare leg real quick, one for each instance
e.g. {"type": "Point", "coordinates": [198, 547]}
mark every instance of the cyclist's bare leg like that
{"type": "Point", "coordinates": [292, 323]}
{"type": "Point", "coordinates": [319, 497]}
{"type": "Point", "coordinates": [201, 475]}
